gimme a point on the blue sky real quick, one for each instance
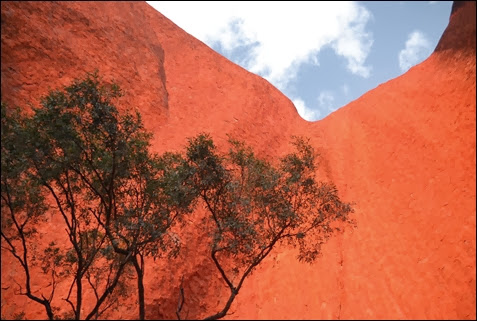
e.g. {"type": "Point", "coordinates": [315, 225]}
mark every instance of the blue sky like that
{"type": "Point", "coordinates": [321, 55]}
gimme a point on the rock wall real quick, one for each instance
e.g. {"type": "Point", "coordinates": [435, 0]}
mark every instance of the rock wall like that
{"type": "Point", "coordinates": [404, 153]}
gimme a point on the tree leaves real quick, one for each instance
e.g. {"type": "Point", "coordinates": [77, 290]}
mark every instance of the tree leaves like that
{"type": "Point", "coordinates": [117, 199]}
{"type": "Point", "coordinates": [255, 205]}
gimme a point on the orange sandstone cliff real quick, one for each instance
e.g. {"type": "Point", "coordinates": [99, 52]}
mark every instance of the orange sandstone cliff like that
{"type": "Point", "coordinates": [405, 153]}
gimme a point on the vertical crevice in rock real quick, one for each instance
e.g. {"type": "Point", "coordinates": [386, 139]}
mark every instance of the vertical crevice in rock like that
{"type": "Point", "coordinates": [159, 52]}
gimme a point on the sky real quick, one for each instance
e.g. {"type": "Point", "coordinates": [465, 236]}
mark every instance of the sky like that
{"type": "Point", "coordinates": [322, 55]}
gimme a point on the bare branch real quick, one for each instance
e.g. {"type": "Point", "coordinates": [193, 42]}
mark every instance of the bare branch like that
{"type": "Point", "coordinates": [181, 300]}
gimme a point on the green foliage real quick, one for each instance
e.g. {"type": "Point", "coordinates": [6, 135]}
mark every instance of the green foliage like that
{"type": "Point", "coordinates": [254, 205]}
{"type": "Point", "coordinates": [83, 141]}
{"type": "Point", "coordinates": [22, 200]}
{"type": "Point", "coordinates": [117, 199]}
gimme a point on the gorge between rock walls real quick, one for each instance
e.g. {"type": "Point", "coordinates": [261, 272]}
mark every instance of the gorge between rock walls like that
{"type": "Point", "coordinates": [404, 152]}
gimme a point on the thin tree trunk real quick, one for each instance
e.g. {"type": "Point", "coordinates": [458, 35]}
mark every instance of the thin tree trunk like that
{"type": "Point", "coordinates": [109, 289]}
{"type": "Point", "coordinates": [140, 288]}
{"type": "Point", "coordinates": [79, 293]}
{"type": "Point", "coordinates": [224, 311]}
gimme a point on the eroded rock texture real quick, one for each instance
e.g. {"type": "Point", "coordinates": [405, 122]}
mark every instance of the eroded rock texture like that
{"type": "Point", "coordinates": [405, 153]}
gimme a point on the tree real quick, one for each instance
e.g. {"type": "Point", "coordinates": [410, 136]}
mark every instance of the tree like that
{"type": "Point", "coordinates": [22, 202]}
{"type": "Point", "coordinates": [79, 157]}
{"type": "Point", "coordinates": [117, 199]}
{"type": "Point", "coordinates": [253, 206]}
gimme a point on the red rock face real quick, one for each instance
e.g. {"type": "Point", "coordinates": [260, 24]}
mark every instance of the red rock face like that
{"type": "Point", "coordinates": [404, 152]}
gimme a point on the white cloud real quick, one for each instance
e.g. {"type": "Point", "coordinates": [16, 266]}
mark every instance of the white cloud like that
{"type": "Point", "coordinates": [417, 48]}
{"type": "Point", "coordinates": [280, 36]}
{"type": "Point", "coordinates": [325, 103]}
{"type": "Point", "coordinates": [304, 111]}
